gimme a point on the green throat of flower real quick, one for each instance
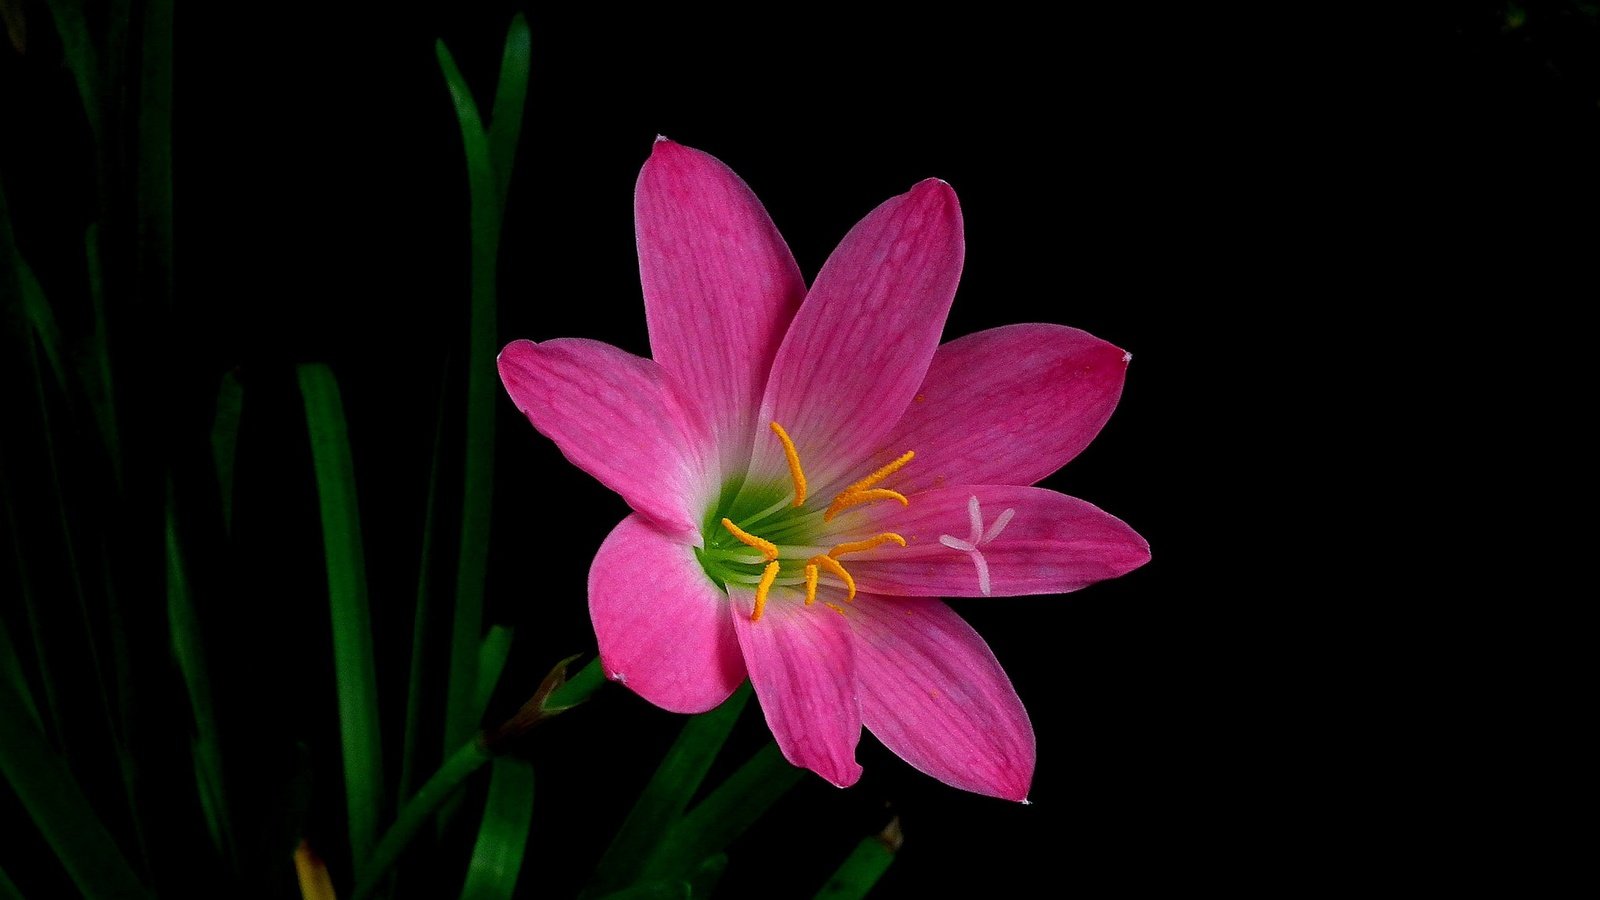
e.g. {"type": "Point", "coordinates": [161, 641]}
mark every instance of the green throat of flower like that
{"type": "Point", "coordinates": [764, 535]}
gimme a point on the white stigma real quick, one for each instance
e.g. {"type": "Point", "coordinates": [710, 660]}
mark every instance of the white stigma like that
{"type": "Point", "coordinates": [978, 538]}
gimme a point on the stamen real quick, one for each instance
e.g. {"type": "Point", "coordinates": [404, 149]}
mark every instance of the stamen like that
{"type": "Point", "coordinates": [769, 550]}
{"type": "Point", "coordinates": [868, 544]}
{"type": "Point", "coordinates": [832, 565]}
{"type": "Point", "coordinates": [793, 456]}
{"type": "Point", "coordinates": [762, 589]}
{"type": "Point", "coordinates": [836, 608]}
{"type": "Point", "coordinates": [842, 501]}
{"type": "Point", "coordinates": [845, 501]}
{"type": "Point", "coordinates": [811, 584]}
{"type": "Point", "coordinates": [882, 473]}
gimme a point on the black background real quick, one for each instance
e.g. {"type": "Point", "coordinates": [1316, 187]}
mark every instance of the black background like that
{"type": "Point", "coordinates": [1164, 180]}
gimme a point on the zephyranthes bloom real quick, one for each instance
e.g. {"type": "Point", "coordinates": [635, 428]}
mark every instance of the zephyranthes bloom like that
{"type": "Point", "coordinates": [809, 470]}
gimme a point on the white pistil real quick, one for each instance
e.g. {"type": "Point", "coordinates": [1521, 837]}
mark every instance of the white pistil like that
{"type": "Point", "coordinates": [978, 538]}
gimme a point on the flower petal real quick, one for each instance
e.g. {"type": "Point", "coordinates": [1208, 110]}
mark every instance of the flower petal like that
{"type": "Point", "coordinates": [802, 666]}
{"type": "Point", "coordinates": [1007, 406]}
{"type": "Point", "coordinates": [861, 343]}
{"type": "Point", "coordinates": [932, 692]}
{"type": "Point", "coordinates": [619, 418]}
{"type": "Point", "coordinates": [1052, 544]}
{"type": "Point", "coordinates": [720, 286]}
{"type": "Point", "coordinates": [663, 626]}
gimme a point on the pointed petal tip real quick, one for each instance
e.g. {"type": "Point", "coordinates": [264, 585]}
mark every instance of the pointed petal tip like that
{"type": "Point", "coordinates": [845, 779]}
{"type": "Point", "coordinates": [513, 349]}
{"type": "Point", "coordinates": [664, 146]}
{"type": "Point", "coordinates": [933, 187]}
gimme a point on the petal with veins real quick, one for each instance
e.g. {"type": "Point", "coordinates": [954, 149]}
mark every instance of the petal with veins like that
{"type": "Point", "coordinates": [933, 693]}
{"type": "Point", "coordinates": [1051, 545]}
{"type": "Point", "coordinates": [802, 666]}
{"type": "Point", "coordinates": [664, 629]}
{"type": "Point", "coordinates": [720, 286]}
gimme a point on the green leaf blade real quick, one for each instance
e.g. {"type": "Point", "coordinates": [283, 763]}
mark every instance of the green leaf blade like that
{"type": "Point", "coordinates": [492, 655]}
{"type": "Point", "coordinates": [503, 836]}
{"type": "Point", "coordinates": [724, 814]}
{"type": "Point", "coordinates": [347, 599]}
{"type": "Point", "coordinates": [188, 646]}
{"type": "Point", "coordinates": [478, 476]}
{"type": "Point", "coordinates": [663, 801]}
{"type": "Point", "coordinates": [58, 807]}
{"type": "Point", "coordinates": [439, 787]}
{"type": "Point", "coordinates": [510, 97]}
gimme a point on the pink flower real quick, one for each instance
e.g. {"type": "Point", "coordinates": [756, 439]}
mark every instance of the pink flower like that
{"type": "Point", "coordinates": [810, 470]}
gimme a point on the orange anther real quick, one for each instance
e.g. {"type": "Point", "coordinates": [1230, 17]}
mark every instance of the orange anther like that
{"type": "Point", "coordinates": [767, 576]}
{"type": "Point", "coordinates": [769, 550]}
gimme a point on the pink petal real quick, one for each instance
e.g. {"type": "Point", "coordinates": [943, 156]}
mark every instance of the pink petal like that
{"type": "Point", "coordinates": [803, 669]}
{"type": "Point", "coordinates": [861, 343]}
{"type": "Point", "coordinates": [1007, 406]}
{"type": "Point", "coordinates": [1052, 544]}
{"type": "Point", "coordinates": [932, 691]}
{"type": "Point", "coordinates": [663, 626]}
{"type": "Point", "coordinates": [619, 418]}
{"type": "Point", "coordinates": [720, 286]}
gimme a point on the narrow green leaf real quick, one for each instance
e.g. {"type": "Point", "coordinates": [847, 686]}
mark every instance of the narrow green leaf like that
{"type": "Point", "coordinates": [8, 888]}
{"type": "Point", "coordinates": [492, 655]}
{"type": "Point", "coordinates": [725, 814]}
{"type": "Point", "coordinates": [78, 47]}
{"type": "Point", "coordinates": [703, 883]}
{"type": "Point", "coordinates": [505, 122]}
{"type": "Point", "coordinates": [11, 670]}
{"type": "Point", "coordinates": [188, 645]}
{"type": "Point", "coordinates": [30, 606]}
{"type": "Point", "coordinates": [422, 620]}
{"type": "Point", "coordinates": [482, 388]}
{"type": "Point", "coordinates": [79, 565]}
{"type": "Point", "coordinates": [664, 799]}
{"type": "Point", "coordinates": [58, 807]}
{"type": "Point", "coordinates": [18, 280]}
{"type": "Point", "coordinates": [468, 759]}
{"type": "Point", "coordinates": [225, 440]}
{"type": "Point", "coordinates": [347, 598]}
{"type": "Point", "coordinates": [503, 836]}
{"type": "Point", "coordinates": [861, 870]}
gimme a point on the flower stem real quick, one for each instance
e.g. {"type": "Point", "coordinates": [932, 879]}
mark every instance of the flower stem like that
{"type": "Point", "coordinates": [456, 770]}
{"type": "Point", "coordinates": [418, 810]}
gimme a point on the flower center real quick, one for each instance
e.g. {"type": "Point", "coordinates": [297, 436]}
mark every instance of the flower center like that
{"type": "Point", "coordinates": [767, 536]}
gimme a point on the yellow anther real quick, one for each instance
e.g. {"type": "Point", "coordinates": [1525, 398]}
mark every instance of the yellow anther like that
{"type": "Point", "coordinates": [769, 550]}
{"type": "Point", "coordinates": [793, 456]}
{"type": "Point", "coordinates": [832, 565]}
{"type": "Point", "coordinates": [845, 501]}
{"type": "Point", "coordinates": [811, 584]}
{"type": "Point", "coordinates": [858, 546]}
{"type": "Point", "coordinates": [881, 474]}
{"type": "Point", "coordinates": [762, 589]}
